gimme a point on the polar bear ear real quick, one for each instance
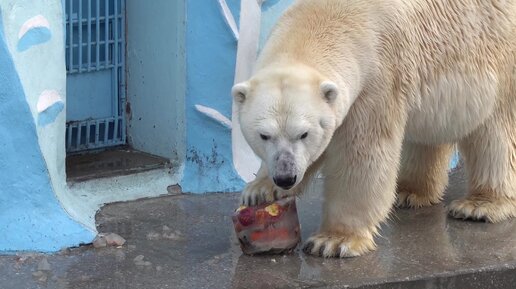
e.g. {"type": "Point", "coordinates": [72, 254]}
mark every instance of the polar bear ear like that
{"type": "Point", "coordinates": [329, 91]}
{"type": "Point", "coordinates": [240, 91]}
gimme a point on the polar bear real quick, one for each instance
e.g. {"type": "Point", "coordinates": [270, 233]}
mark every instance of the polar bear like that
{"type": "Point", "coordinates": [376, 94]}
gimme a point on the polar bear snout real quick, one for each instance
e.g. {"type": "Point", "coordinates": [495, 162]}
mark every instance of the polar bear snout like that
{"type": "Point", "coordinates": [285, 175]}
{"type": "Point", "coordinates": [285, 182]}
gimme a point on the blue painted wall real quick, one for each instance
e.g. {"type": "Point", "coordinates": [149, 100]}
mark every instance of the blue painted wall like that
{"type": "Point", "coordinates": [210, 59]}
{"type": "Point", "coordinates": [31, 218]}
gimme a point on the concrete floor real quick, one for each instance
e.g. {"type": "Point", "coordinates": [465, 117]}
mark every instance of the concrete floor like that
{"type": "Point", "coordinates": [188, 242]}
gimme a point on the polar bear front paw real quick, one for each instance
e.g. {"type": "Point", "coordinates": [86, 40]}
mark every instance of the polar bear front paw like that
{"type": "Point", "coordinates": [341, 246]}
{"type": "Point", "coordinates": [261, 191]}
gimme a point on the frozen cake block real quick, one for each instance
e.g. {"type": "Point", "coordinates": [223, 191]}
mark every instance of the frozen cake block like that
{"type": "Point", "coordinates": [269, 228]}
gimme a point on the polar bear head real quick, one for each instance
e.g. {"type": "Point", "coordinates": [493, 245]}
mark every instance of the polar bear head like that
{"type": "Point", "coordinates": [288, 116]}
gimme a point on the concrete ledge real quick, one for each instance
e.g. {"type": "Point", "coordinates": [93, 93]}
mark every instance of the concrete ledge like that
{"type": "Point", "coordinates": [496, 278]}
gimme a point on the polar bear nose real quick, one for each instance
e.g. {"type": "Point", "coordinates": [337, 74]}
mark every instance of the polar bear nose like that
{"type": "Point", "coordinates": [285, 176]}
{"type": "Point", "coordinates": [285, 182]}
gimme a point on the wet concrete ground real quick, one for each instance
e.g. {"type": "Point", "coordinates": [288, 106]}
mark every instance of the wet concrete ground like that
{"type": "Point", "coordinates": [188, 242]}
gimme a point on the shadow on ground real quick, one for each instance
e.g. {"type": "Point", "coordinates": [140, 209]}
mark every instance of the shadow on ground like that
{"type": "Point", "coordinates": [188, 242]}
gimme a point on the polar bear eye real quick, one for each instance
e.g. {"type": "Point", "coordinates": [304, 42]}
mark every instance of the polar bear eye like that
{"type": "Point", "coordinates": [303, 136]}
{"type": "Point", "coordinates": [265, 137]}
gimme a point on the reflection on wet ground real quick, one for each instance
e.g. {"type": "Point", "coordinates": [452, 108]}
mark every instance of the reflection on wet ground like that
{"type": "Point", "coordinates": [188, 242]}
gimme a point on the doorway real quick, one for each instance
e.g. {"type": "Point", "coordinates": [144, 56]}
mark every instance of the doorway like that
{"type": "Point", "coordinates": [102, 139]}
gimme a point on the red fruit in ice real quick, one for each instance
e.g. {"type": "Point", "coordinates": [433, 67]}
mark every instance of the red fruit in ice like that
{"type": "Point", "coordinates": [246, 216]}
{"type": "Point", "coordinates": [262, 217]}
{"type": "Point", "coordinates": [267, 228]}
{"type": "Point", "coordinates": [270, 235]}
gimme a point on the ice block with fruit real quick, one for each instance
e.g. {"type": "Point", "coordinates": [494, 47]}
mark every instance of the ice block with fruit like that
{"type": "Point", "coordinates": [269, 228]}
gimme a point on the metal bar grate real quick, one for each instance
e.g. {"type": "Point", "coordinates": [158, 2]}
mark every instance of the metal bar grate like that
{"type": "Point", "coordinates": [95, 42]}
{"type": "Point", "coordinates": [93, 134]}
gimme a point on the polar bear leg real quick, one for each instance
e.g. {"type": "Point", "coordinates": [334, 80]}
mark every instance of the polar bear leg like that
{"type": "Point", "coordinates": [359, 186]}
{"type": "Point", "coordinates": [423, 175]}
{"type": "Point", "coordinates": [490, 157]}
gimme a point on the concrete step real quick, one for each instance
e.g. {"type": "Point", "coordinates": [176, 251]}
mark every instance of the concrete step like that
{"type": "Point", "coordinates": [118, 161]}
